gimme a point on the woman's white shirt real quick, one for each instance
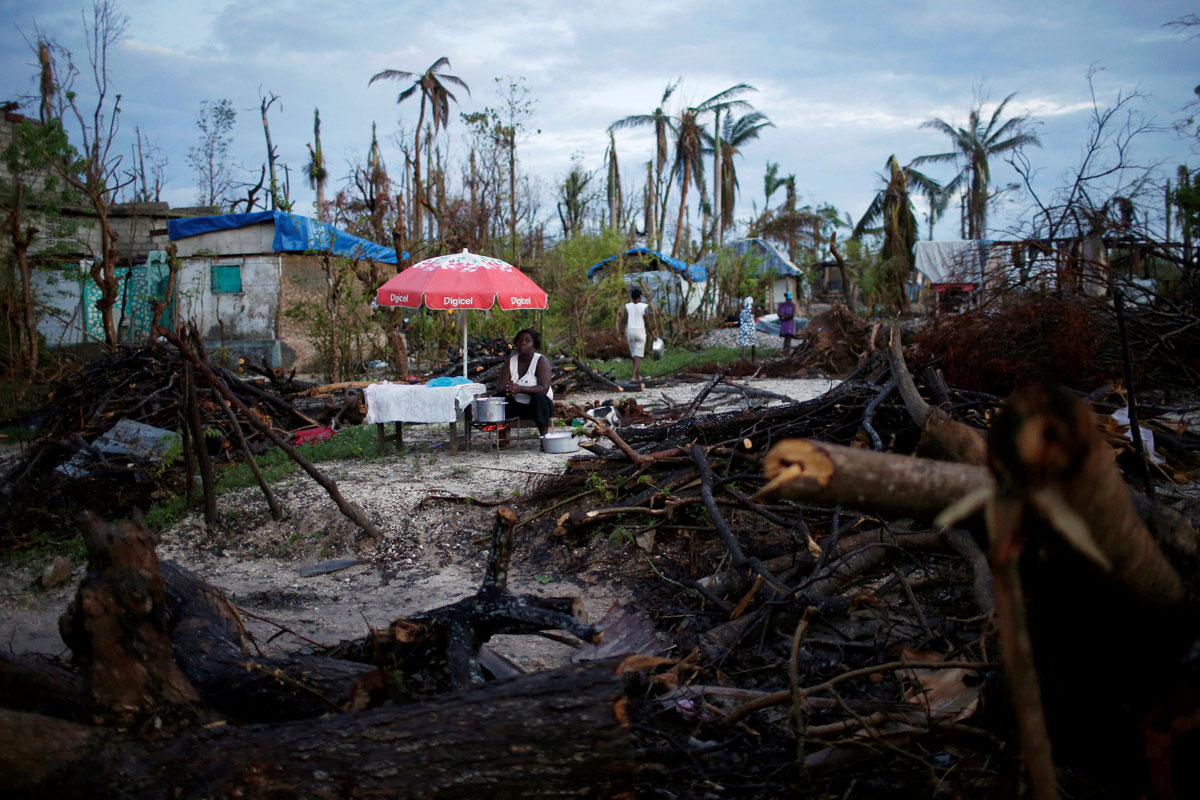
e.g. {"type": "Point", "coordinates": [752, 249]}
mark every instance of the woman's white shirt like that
{"type": "Point", "coordinates": [636, 315]}
{"type": "Point", "coordinates": [528, 379]}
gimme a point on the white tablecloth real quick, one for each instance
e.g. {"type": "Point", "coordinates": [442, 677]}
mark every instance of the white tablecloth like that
{"type": "Point", "coordinates": [395, 402]}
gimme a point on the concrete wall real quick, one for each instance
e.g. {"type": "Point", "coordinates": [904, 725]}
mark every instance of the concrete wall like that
{"type": "Point", "coordinates": [58, 291]}
{"type": "Point", "coordinates": [303, 279]}
{"type": "Point", "coordinates": [244, 323]}
{"type": "Point", "coordinates": [258, 238]}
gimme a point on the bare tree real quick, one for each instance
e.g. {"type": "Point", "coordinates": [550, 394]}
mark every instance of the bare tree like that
{"type": "Point", "coordinates": [147, 180]}
{"type": "Point", "coordinates": [96, 173]}
{"type": "Point", "coordinates": [209, 157]}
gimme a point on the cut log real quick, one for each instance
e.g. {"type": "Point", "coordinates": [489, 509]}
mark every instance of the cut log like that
{"type": "Point", "coordinates": [804, 469]}
{"type": "Point", "coordinates": [208, 643]}
{"type": "Point", "coordinates": [43, 687]}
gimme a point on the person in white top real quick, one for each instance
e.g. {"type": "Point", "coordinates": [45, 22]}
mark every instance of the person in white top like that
{"type": "Point", "coordinates": [525, 381]}
{"type": "Point", "coordinates": [635, 330]}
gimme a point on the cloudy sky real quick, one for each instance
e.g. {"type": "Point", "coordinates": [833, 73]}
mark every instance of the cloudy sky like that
{"type": "Point", "coordinates": [846, 84]}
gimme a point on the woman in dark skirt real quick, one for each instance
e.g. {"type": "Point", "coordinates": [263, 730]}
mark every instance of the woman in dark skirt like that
{"type": "Point", "coordinates": [525, 381]}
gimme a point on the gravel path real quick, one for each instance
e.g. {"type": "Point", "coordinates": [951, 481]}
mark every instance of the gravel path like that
{"type": "Point", "coordinates": [727, 337]}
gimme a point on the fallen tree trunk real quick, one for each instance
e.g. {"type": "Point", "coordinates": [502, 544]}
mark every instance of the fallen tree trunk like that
{"type": "Point", "coordinates": [208, 643]}
{"type": "Point", "coordinates": [804, 469]}
{"type": "Point", "coordinates": [553, 734]}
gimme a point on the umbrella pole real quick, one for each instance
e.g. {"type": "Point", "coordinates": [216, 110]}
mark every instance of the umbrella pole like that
{"type": "Point", "coordinates": [466, 316]}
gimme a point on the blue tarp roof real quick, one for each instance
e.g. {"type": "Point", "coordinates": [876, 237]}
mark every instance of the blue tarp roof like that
{"type": "Point", "coordinates": [691, 272]}
{"type": "Point", "coordinates": [293, 234]}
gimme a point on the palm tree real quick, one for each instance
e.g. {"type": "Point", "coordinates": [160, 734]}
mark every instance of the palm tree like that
{"type": "Point", "coordinates": [892, 210]}
{"type": "Point", "coordinates": [722, 102]}
{"type": "Point", "coordinates": [690, 150]}
{"type": "Point", "coordinates": [734, 136]}
{"type": "Point", "coordinates": [437, 96]}
{"type": "Point", "coordinates": [975, 144]}
{"type": "Point", "coordinates": [662, 124]}
{"type": "Point", "coordinates": [689, 163]}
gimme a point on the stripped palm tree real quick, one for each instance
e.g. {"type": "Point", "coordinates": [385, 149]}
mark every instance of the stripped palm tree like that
{"type": "Point", "coordinates": [891, 212]}
{"type": "Point", "coordinates": [662, 124]}
{"type": "Point", "coordinates": [434, 94]}
{"type": "Point", "coordinates": [734, 136]}
{"type": "Point", "coordinates": [975, 144]}
{"type": "Point", "coordinates": [722, 103]}
{"type": "Point", "coordinates": [317, 174]}
{"type": "Point", "coordinates": [613, 188]}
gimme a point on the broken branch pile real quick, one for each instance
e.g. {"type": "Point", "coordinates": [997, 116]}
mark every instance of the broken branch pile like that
{"type": "Point", "coordinates": [846, 639]}
{"type": "Point", "coordinates": [126, 419]}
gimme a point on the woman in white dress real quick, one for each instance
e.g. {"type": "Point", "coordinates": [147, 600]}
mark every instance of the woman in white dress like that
{"type": "Point", "coordinates": [635, 330]}
{"type": "Point", "coordinates": [525, 381]}
{"type": "Point", "coordinates": [747, 335]}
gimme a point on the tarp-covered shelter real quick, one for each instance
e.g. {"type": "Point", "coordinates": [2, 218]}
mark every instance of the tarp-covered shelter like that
{"type": "Point", "coordinates": [952, 269]}
{"type": "Point", "coordinates": [671, 282]}
{"type": "Point", "coordinates": [239, 273]}
{"type": "Point", "coordinates": [289, 233]}
{"type": "Point", "coordinates": [787, 276]}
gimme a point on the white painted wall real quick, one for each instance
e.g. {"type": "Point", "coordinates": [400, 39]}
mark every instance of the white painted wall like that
{"type": "Point", "coordinates": [61, 320]}
{"type": "Point", "coordinates": [248, 315]}
{"type": "Point", "coordinates": [258, 238]}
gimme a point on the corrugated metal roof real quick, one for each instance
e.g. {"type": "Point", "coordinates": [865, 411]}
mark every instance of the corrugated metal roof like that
{"type": "Point", "coordinates": [773, 260]}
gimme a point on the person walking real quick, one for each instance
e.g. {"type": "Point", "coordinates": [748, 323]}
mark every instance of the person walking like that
{"type": "Point", "coordinates": [635, 314]}
{"type": "Point", "coordinates": [787, 321]}
{"type": "Point", "coordinates": [747, 336]}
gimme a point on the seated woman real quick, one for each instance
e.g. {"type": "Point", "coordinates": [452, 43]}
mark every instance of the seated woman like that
{"type": "Point", "coordinates": [525, 381]}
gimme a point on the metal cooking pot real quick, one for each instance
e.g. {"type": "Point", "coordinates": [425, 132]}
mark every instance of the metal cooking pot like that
{"type": "Point", "coordinates": [559, 443]}
{"type": "Point", "coordinates": [657, 349]}
{"type": "Point", "coordinates": [488, 409]}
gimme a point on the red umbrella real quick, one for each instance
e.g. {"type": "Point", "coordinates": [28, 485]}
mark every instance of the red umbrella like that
{"type": "Point", "coordinates": [465, 281]}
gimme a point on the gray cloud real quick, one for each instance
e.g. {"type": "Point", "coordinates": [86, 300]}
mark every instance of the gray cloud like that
{"type": "Point", "coordinates": [846, 85]}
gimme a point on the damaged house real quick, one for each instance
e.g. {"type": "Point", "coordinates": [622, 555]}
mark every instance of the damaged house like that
{"type": "Point", "coordinates": [767, 258]}
{"type": "Point", "coordinates": [956, 274]}
{"type": "Point", "coordinates": [673, 284]}
{"type": "Point", "coordinates": [239, 273]}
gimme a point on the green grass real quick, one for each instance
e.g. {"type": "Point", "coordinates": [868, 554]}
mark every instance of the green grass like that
{"type": "Point", "coordinates": [358, 442]}
{"type": "Point", "coordinates": [674, 361]}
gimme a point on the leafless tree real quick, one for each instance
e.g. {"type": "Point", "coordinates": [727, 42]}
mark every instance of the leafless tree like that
{"type": "Point", "coordinates": [96, 174]}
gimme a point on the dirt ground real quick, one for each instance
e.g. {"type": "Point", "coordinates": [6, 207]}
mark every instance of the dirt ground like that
{"type": "Point", "coordinates": [432, 551]}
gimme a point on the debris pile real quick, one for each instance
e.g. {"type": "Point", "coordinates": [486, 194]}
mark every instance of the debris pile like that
{"type": "Point", "coordinates": [1073, 341]}
{"type": "Point", "coordinates": [122, 422]}
{"type": "Point", "coordinates": [829, 635]}
{"type": "Point", "coordinates": [900, 588]}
